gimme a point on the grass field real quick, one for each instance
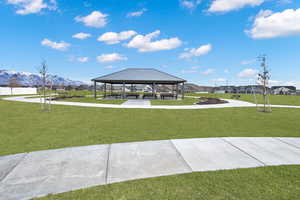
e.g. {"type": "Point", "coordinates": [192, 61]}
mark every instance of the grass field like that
{"type": "Point", "coordinates": [25, 128]}
{"type": "Point", "coordinates": [93, 100]}
{"type": "Point", "coordinates": [269, 183]}
{"type": "Point", "coordinates": [185, 101]}
{"type": "Point", "coordinates": [274, 99]}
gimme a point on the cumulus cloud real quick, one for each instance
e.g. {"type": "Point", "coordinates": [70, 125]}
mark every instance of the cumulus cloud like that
{"type": "Point", "coordinates": [109, 67]}
{"type": "Point", "coordinates": [230, 5]}
{"type": "Point", "coordinates": [247, 62]}
{"type": "Point", "coordinates": [219, 80]}
{"type": "Point", "coordinates": [136, 13]}
{"type": "Point", "coordinates": [114, 38]}
{"type": "Point", "coordinates": [62, 46]}
{"type": "Point", "coordinates": [81, 36]}
{"type": "Point", "coordinates": [190, 4]}
{"type": "Point", "coordinates": [280, 24]}
{"type": "Point", "coordinates": [208, 71]}
{"type": "Point", "coordinates": [104, 58]}
{"type": "Point", "coordinates": [83, 59]}
{"type": "Point", "coordinates": [96, 19]}
{"type": "Point", "coordinates": [32, 6]}
{"type": "Point", "coordinates": [248, 73]}
{"type": "Point", "coordinates": [144, 43]}
{"type": "Point", "coordinates": [200, 51]}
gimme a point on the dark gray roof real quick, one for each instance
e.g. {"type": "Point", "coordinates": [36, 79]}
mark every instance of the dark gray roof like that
{"type": "Point", "coordinates": [139, 75]}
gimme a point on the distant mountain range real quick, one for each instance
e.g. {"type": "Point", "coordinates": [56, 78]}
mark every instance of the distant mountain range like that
{"type": "Point", "coordinates": [30, 79]}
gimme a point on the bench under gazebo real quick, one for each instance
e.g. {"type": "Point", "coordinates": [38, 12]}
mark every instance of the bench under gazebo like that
{"type": "Point", "coordinates": [136, 76]}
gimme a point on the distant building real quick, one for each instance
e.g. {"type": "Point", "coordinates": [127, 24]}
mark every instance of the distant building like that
{"type": "Point", "coordinates": [284, 90]}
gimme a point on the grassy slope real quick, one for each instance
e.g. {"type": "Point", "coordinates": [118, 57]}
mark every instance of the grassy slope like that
{"type": "Point", "coordinates": [274, 99]}
{"type": "Point", "coordinates": [25, 128]}
{"type": "Point", "coordinates": [269, 183]}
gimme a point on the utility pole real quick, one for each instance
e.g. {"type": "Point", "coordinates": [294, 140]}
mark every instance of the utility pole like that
{"type": "Point", "coordinates": [264, 78]}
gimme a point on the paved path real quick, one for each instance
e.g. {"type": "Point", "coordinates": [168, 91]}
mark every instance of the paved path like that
{"type": "Point", "coordinates": [36, 174]}
{"type": "Point", "coordinates": [136, 102]}
{"type": "Point", "coordinates": [232, 103]}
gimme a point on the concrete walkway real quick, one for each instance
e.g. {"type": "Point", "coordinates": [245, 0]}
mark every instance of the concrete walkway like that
{"type": "Point", "coordinates": [136, 102]}
{"type": "Point", "coordinates": [232, 103]}
{"type": "Point", "coordinates": [36, 174]}
{"type": "Point", "coordinates": [145, 104]}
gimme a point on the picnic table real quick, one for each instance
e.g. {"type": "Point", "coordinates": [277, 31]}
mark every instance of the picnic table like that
{"type": "Point", "coordinates": [136, 95]}
{"type": "Point", "coordinates": [149, 95]}
{"type": "Point", "coordinates": [115, 95]}
{"type": "Point", "coordinates": [167, 95]}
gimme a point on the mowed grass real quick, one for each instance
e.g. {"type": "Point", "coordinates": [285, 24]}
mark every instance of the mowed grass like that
{"type": "Point", "coordinates": [93, 100]}
{"type": "Point", "coordinates": [25, 128]}
{"type": "Point", "coordinates": [268, 183]}
{"type": "Point", "coordinates": [274, 99]}
{"type": "Point", "coordinates": [185, 101]}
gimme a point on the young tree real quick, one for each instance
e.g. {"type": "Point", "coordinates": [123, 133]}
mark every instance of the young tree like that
{"type": "Point", "coordinates": [13, 83]}
{"type": "Point", "coordinates": [43, 71]}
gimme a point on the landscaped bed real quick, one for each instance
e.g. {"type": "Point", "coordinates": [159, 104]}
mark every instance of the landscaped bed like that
{"type": "Point", "coordinates": [267, 183]}
{"type": "Point", "coordinates": [274, 99]}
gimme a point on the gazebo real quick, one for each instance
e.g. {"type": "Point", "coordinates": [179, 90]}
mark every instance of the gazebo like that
{"type": "Point", "coordinates": [134, 76]}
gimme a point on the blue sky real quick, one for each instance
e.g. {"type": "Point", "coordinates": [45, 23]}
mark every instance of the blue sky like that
{"type": "Point", "coordinates": [207, 42]}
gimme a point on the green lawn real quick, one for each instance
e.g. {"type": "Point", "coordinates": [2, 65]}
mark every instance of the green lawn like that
{"type": "Point", "coordinates": [93, 100]}
{"type": "Point", "coordinates": [274, 99]}
{"type": "Point", "coordinates": [185, 101]}
{"type": "Point", "coordinates": [25, 128]}
{"type": "Point", "coordinates": [268, 183]}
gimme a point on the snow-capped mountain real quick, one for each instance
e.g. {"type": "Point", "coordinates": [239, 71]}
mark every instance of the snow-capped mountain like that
{"type": "Point", "coordinates": [30, 79]}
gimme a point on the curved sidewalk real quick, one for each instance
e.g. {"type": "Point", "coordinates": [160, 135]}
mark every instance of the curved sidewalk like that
{"type": "Point", "coordinates": [36, 174]}
{"type": "Point", "coordinates": [232, 103]}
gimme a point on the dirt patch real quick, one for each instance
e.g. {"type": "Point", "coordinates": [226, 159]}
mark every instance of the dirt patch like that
{"type": "Point", "coordinates": [206, 101]}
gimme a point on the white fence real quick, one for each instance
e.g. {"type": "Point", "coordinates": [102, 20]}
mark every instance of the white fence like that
{"type": "Point", "coordinates": [17, 91]}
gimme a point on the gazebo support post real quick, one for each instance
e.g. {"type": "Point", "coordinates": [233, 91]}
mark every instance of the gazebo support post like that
{"type": "Point", "coordinates": [182, 90]}
{"type": "Point", "coordinates": [176, 90]}
{"type": "Point", "coordinates": [95, 90]}
{"type": "Point", "coordinates": [111, 88]}
{"type": "Point", "coordinates": [153, 89]}
{"type": "Point", "coordinates": [123, 92]}
{"type": "Point", "coordinates": [104, 90]}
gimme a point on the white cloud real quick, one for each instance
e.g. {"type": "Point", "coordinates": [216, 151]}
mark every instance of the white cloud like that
{"type": "Point", "coordinates": [219, 80]}
{"type": "Point", "coordinates": [83, 59]}
{"type": "Point", "coordinates": [144, 43]}
{"type": "Point", "coordinates": [81, 36]}
{"type": "Point", "coordinates": [114, 38]}
{"type": "Point", "coordinates": [248, 73]}
{"type": "Point", "coordinates": [226, 71]}
{"type": "Point", "coordinates": [95, 19]}
{"type": "Point", "coordinates": [137, 13]}
{"type": "Point", "coordinates": [229, 5]}
{"type": "Point", "coordinates": [109, 67]}
{"type": "Point", "coordinates": [247, 62]}
{"type": "Point", "coordinates": [200, 51]}
{"type": "Point", "coordinates": [270, 25]}
{"type": "Point", "coordinates": [208, 71]}
{"type": "Point", "coordinates": [32, 6]}
{"type": "Point", "coordinates": [62, 46]}
{"type": "Point", "coordinates": [190, 4]}
{"type": "Point", "coordinates": [104, 58]}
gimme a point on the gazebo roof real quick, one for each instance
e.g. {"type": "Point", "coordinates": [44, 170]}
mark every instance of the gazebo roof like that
{"type": "Point", "coordinates": [139, 75]}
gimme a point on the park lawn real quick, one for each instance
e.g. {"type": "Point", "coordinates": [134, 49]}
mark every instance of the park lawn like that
{"type": "Point", "coordinates": [264, 183]}
{"type": "Point", "coordinates": [185, 101]}
{"type": "Point", "coordinates": [274, 99]}
{"type": "Point", "coordinates": [93, 100]}
{"type": "Point", "coordinates": [25, 128]}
